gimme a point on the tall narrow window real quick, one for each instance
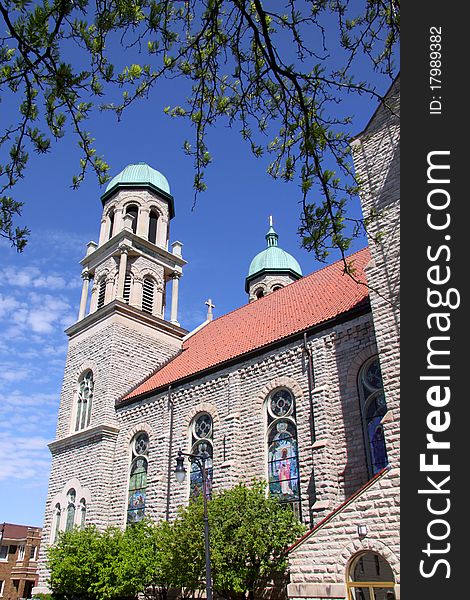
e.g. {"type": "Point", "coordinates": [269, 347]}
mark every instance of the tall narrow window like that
{"type": "Point", "coordinates": [373, 409]}
{"type": "Point", "coordinates": [84, 401]}
{"type": "Point", "coordinates": [101, 292]}
{"type": "Point", "coordinates": [71, 496]}
{"type": "Point", "coordinates": [201, 439]}
{"type": "Point", "coordinates": [148, 295]}
{"type": "Point", "coordinates": [111, 224]}
{"type": "Point", "coordinates": [283, 462]}
{"type": "Point", "coordinates": [133, 210]}
{"type": "Point", "coordinates": [153, 221]}
{"type": "Point", "coordinates": [138, 479]}
{"type": "Point", "coordinates": [56, 522]}
{"type": "Point", "coordinates": [126, 294]}
{"type": "Point", "coordinates": [82, 513]}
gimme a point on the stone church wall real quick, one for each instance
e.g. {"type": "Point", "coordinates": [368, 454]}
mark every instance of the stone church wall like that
{"type": "Point", "coordinates": [377, 161]}
{"type": "Point", "coordinates": [119, 356]}
{"type": "Point", "coordinates": [319, 565]}
{"type": "Point", "coordinates": [235, 397]}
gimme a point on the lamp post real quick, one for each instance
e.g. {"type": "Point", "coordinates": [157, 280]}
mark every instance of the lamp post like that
{"type": "Point", "coordinates": [180, 474]}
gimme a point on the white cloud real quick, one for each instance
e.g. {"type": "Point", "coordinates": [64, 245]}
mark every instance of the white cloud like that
{"type": "Point", "coordinates": [37, 313]}
{"type": "Point", "coordinates": [19, 400]}
{"type": "Point", "coordinates": [10, 373]}
{"type": "Point", "coordinates": [33, 278]}
{"type": "Point", "coordinates": [24, 457]}
{"type": "Point", "coordinates": [8, 304]}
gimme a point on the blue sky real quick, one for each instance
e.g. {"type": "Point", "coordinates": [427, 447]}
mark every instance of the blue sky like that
{"type": "Point", "coordinates": [40, 288]}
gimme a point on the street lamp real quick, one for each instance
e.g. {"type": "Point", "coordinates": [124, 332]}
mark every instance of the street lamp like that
{"type": "Point", "coordinates": [180, 474]}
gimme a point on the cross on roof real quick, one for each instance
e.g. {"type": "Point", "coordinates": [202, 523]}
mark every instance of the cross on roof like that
{"type": "Point", "coordinates": [210, 306]}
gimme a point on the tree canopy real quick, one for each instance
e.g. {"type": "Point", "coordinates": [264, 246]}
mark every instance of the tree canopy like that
{"type": "Point", "coordinates": [90, 564]}
{"type": "Point", "coordinates": [277, 72]}
{"type": "Point", "coordinates": [248, 539]}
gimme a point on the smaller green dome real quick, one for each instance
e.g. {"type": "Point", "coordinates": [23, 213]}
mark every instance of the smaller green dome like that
{"type": "Point", "coordinates": [139, 174]}
{"type": "Point", "coordinates": [273, 260]}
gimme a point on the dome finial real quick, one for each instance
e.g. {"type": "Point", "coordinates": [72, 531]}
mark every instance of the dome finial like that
{"type": "Point", "coordinates": [271, 236]}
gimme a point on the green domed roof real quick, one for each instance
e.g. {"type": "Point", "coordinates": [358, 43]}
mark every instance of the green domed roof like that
{"type": "Point", "coordinates": [273, 260]}
{"type": "Point", "coordinates": [140, 174]}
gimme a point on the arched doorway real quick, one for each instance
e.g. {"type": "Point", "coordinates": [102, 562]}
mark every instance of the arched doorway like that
{"type": "Point", "coordinates": [370, 577]}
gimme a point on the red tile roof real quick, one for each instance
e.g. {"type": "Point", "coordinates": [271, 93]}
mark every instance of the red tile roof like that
{"type": "Point", "coordinates": [310, 301]}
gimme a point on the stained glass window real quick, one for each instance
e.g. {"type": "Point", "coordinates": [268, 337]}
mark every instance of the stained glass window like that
{"type": "Point", "coordinates": [84, 402]}
{"type": "Point", "coordinates": [374, 408]}
{"type": "Point", "coordinates": [283, 460]}
{"type": "Point", "coordinates": [138, 479]}
{"type": "Point", "coordinates": [202, 435]}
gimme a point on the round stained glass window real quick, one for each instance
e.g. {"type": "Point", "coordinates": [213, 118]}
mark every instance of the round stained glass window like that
{"type": "Point", "coordinates": [141, 443]}
{"type": "Point", "coordinates": [372, 376]}
{"type": "Point", "coordinates": [281, 403]}
{"type": "Point", "coordinates": [203, 427]}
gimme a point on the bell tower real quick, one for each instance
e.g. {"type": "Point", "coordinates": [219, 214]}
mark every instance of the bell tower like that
{"type": "Point", "coordinates": [125, 329]}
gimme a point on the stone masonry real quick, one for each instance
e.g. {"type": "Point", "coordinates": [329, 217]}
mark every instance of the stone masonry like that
{"type": "Point", "coordinates": [236, 399]}
{"type": "Point", "coordinates": [320, 563]}
{"type": "Point", "coordinates": [376, 154]}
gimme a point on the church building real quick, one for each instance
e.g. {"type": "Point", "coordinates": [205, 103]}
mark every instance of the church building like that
{"type": "Point", "coordinates": [298, 387]}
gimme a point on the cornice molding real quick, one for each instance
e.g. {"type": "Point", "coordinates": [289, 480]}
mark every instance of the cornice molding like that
{"type": "Point", "coordinates": [86, 435]}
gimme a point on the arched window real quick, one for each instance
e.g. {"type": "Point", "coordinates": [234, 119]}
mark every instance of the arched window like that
{"type": "Point", "coordinates": [126, 294]}
{"type": "Point", "coordinates": [373, 409]}
{"type": "Point", "coordinates": [111, 223]}
{"type": "Point", "coordinates": [133, 210]}
{"type": "Point", "coordinates": [370, 578]}
{"type": "Point", "coordinates": [153, 222]}
{"type": "Point", "coordinates": [56, 523]}
{"type": "Point", "coordinates": [71, 496]}
{"type": "Point", "coordinates": [138, 478]}
{"type": "Point", "coordinates": [259, 293]}
{"type": "Point", "coordinates": [148, 295]}
{"type": "Point", "coordinates": [201, 443]}
{"type": "Point", "coordinates": [277, 287]}
{"type": "Point", "coordinates": [101, 293]}
{"type": "Point", "coordinates": [283, 462]}
{"type": "Point", "coordinates": [84, 400]}
{"type": "Point", "coordinates": [82, 513]}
